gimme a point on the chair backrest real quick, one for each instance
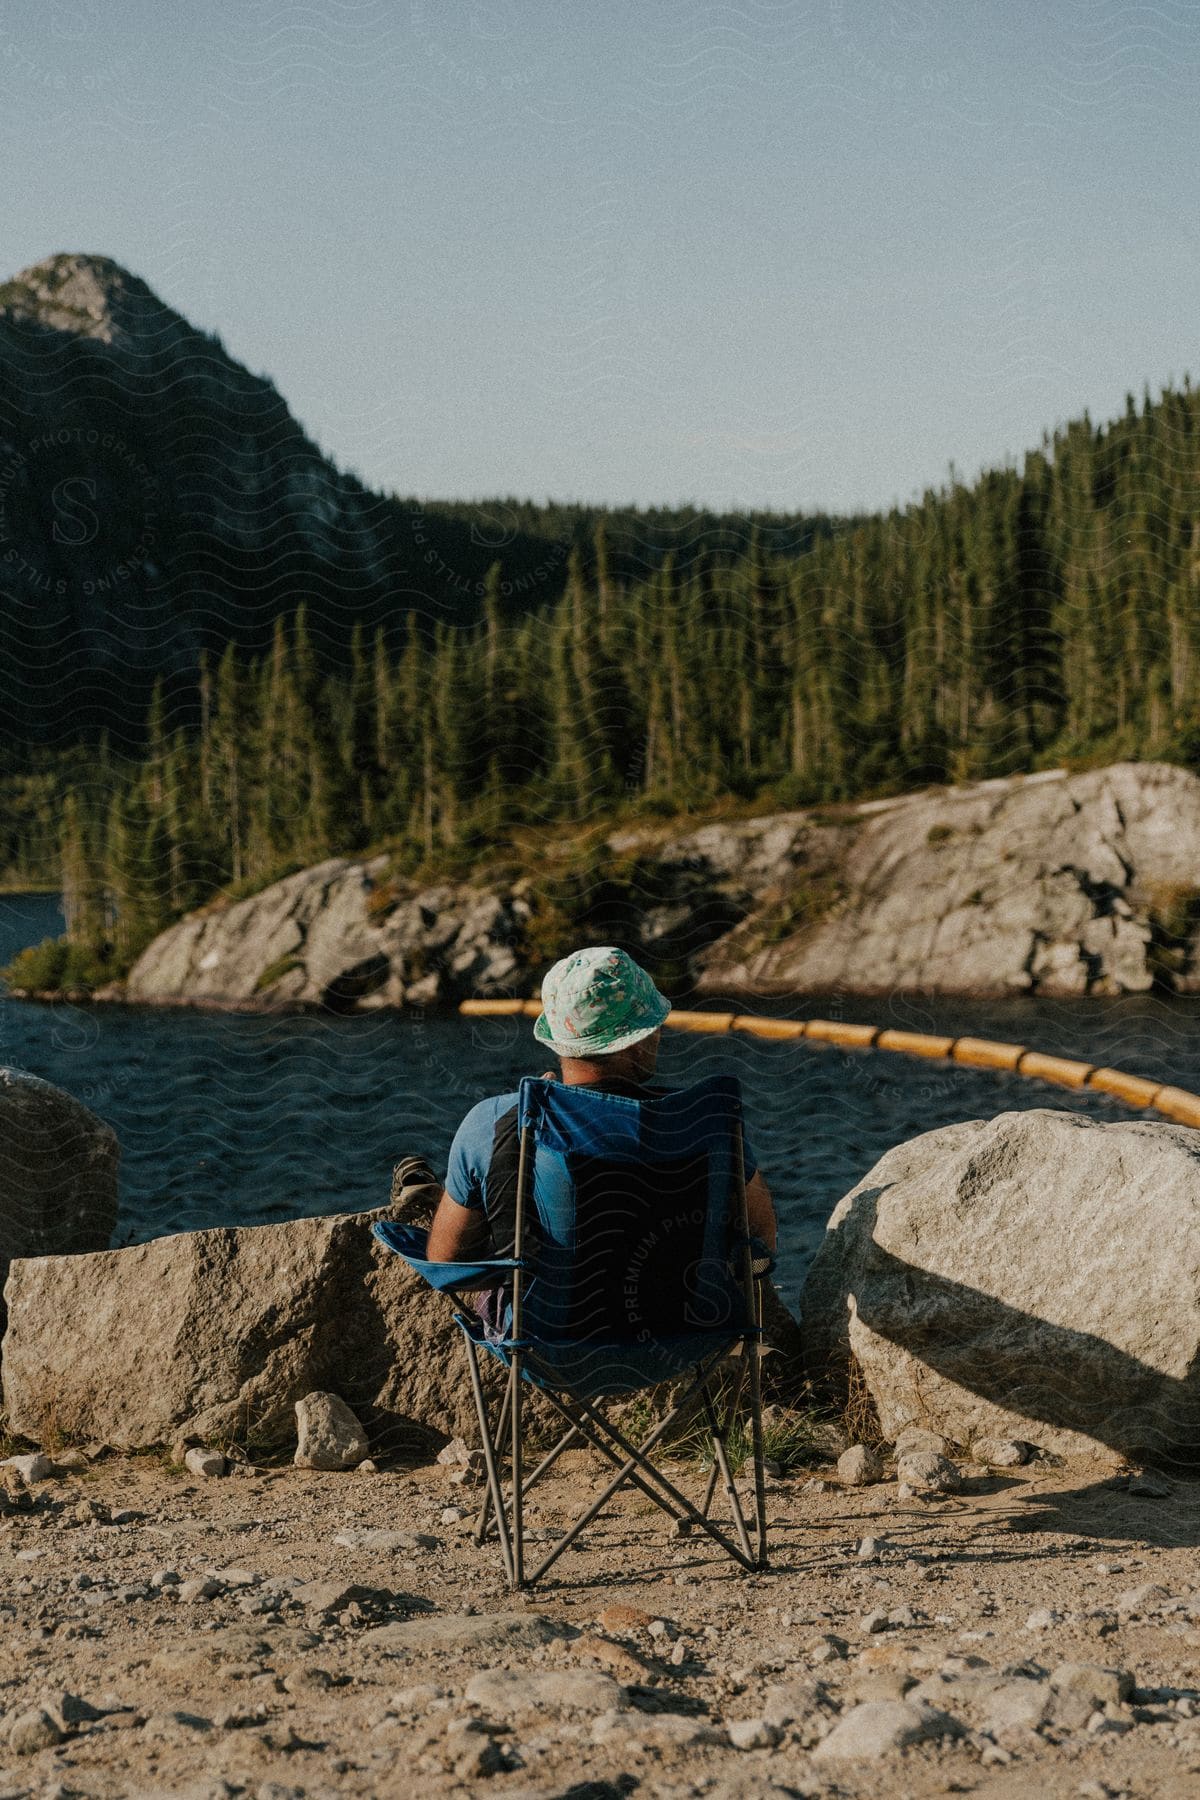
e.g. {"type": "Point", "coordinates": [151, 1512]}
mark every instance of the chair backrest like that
{"type": "Point", "coordinates": [635, 1213]}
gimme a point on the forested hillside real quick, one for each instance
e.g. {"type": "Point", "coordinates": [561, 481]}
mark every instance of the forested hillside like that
{"type": "Point", "coordinates": [518, 665]}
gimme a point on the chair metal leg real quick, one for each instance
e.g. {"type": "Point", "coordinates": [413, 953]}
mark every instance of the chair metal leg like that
{"type": "Point", "coordinates": [638, 1459]}
{"type": "Point", "coordinates": [721, 1461]}
{"type": "Point", "coordinates": [481, 1524]}
{"type": "Point", "coordinates": [517, 1576]}
{"type": "Point", "coordinates": [531, 1481]}
{"type": "Point", "coordinates": [730, 1415]}
{"type": "Point", "coordinates": [756, 1438]}
{"type": "Point", "coordinates": [489, 1458]}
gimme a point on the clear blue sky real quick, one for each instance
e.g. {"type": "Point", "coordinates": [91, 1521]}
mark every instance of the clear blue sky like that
{"type": "Point", "coordinates": [762, 253]}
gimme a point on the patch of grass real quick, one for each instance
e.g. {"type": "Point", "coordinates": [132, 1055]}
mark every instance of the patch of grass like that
{"type": "Point", "coordinates": [791, 1440]}
{"type": "Point", "coordinates": [283, 965]}
{"type": "Point", "coordinates": [1173, 914]}
{"type": "Point", "coordinates": [57, 966]}
{"type": "Point", "coordinates": [859, 1420]}
{"type": "Point", "coordinates": [807, 901]}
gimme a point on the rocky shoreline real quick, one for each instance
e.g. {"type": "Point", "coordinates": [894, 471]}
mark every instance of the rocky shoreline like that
{"type": "Point", "coordinates": [287, 1635]}
{"type": "Point", "coordinates": [1054, 883]}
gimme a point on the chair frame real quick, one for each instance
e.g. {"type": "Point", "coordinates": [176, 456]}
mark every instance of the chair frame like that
{"type": "Point", "coordinates": [585, 1422]}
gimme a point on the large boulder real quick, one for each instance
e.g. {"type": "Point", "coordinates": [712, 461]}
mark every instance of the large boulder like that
{"type": "Point", "coordinates": [221, 1332]}
{"type": "Point", "coordinates": [58, 1172]}
{"type": "Point", "coordinates": [1034, 1276]}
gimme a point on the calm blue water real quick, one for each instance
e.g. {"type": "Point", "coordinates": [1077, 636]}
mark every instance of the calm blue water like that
{"type": "Point", "coordinates": [245, 1118]}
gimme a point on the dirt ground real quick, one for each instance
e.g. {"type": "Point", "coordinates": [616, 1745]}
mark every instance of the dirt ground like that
{"type": "Point", "coordinates": [168, 1634]}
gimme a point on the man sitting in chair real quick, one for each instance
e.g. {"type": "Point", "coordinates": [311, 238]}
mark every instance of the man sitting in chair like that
{"type": "Point", "coordinates": [602, 1016]}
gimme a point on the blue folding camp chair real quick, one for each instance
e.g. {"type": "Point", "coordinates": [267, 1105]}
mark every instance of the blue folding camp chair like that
{"type": "Point", "coordinates": [632, 1265]}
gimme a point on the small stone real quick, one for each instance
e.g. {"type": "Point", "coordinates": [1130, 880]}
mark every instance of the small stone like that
{"type": "Point", "coordinates": [197, 1588]}
{"type": "Point", "coordinates": [381, 1537]}
{"type": "Point", "coordinates": [875, 1727]}
{"type": "Point", "coordinates": [452, 1515]}
{"type": "Point", "coordinates": [868, 1550]}
{"type": "Point", "coordinates": [201, 1461]}
{"type": "Point", "coordinates": [753, 1734]}
{"type": "Point", "coordinates": [454, 1454]}
{"type": "Point", "coordinates": [501, 1693]}
{"type": "Point", "coordinates": [329, 1435]}
{"type": "Point", "coordinates": [32, 1731]}
{"type": "Point", "coordinates": [914, 1438]}
{"type": "Point", "coordinates": [1098, 1685]}
{"type": "Point", "coordinates": [859, 1466]}
{"type": "Point", "coordinates": [816, 1484]}
{"type": "Point", "coordinates": [1143, 1600]}
{"type": "Point", "coordinates": [1000, 1453]}
{"type": "Point", "coordinates": [31, 1468]}
{"type": "Point", "coordinates": [368, 1466]}
{"type": "Point", "coordinates": [928, 1472]}
{"type": "Point", "coordinates": [678, 1655]}
{"type": "Point", "coordinates": [828, 1648]}
{"type": "Point", "coordinates": [875, 1621]}
{"type": "Point", "coordinates": [1043, 1618]}
{"type": "Point", "coordinates": [164, 1578]}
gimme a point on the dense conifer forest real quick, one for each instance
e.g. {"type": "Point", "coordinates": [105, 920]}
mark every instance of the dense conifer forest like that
{"type": "Point", "coordinates": [662, 663]}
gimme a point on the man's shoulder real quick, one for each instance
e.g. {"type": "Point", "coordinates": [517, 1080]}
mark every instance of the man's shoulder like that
{"type": "Point", "coordinates": [485, 1114]}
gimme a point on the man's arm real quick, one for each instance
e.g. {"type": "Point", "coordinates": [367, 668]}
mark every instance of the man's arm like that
{"type": "Point", "coordinates": [456, 1233]}
{"type": "Point", "coordinates": [760, 1210]}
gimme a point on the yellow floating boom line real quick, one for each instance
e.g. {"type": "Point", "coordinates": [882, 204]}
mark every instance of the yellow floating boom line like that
{"type": "Point", "coordinates": [1177, 1104]}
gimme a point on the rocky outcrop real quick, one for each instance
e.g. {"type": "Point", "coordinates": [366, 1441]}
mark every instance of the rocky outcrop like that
{"type": "Point", "coordinates": [58, 1172]}
{"type": "Point", "coordinates": [336, 935]}
{"type": "Point", "coordinates": [233, 1327]}
{"type": "Point", "coordinates": [1051, 883]}
{"type": "Point", "coordinates": [1032, 1277]}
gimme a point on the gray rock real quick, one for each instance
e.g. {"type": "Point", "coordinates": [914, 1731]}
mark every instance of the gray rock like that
{"type": "Point", "coordinates": [330, 1437]}
{"type": "Point", "coordinates": [198, 1587]}
{"type": "Point", "coordinates": [234, 1325]}
{"type": "Point", "coordinates": [875, 1727]}
{"type": "Point", "coordinates": [803, 1706]}
{"type": "Point", "coordinates": [320, 937]}
{"type": "Point", "coordinates": [1000, 1453]}
{"type": "Point", "coordinates": [33, 1730]}
{"type": "Point", "coordinates": [501, 1693]}
{"type": "Point", "coordinates": [58, 1173]}
{"type": "Point", "coordinates": [925, 1472]}
{"type": "Point", "coordinates": [859, 1466]}
{"type": "Point", "coordinates": [916, 1437]}
{"type": "Point", "coordinates": [31, 1469]}
{"type": "Point", "coordinates": [1015, 1703]}
{"type": "Point", "coordinates": [942, 1274]}
{"type": "Point", "coordinates": [464, 1632]}
{"type": "Point", "coordinates": [753, 1734]}
{"type": "Point", "coordinates": [381, 1537]}
{"type": "Point", "coordinates": [1098, 1686]}
{"type": "Point", "coordinates": [199, 1461]}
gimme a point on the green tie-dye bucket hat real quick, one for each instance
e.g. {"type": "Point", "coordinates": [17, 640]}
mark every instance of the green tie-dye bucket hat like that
{"type": "Point", "coordinates": [596, 1001]}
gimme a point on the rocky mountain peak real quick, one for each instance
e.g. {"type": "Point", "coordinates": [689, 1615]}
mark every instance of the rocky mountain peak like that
{"type": "Point", "coordinates": [90, 296]}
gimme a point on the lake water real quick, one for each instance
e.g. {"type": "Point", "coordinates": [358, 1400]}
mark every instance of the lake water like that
{"type": "Point", "coordinates": [246, 1118]}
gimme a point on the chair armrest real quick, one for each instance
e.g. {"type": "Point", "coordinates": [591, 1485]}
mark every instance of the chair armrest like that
{"type": "Point", "coordinates": [409, 1242]}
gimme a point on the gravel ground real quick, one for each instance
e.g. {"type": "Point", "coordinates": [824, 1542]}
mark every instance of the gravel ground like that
{"type": "Point", "coordinates": [277, 1633]}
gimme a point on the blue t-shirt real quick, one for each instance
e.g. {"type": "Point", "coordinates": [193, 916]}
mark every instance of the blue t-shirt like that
{"type": "Point", "coordinates": [482, 1172]}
